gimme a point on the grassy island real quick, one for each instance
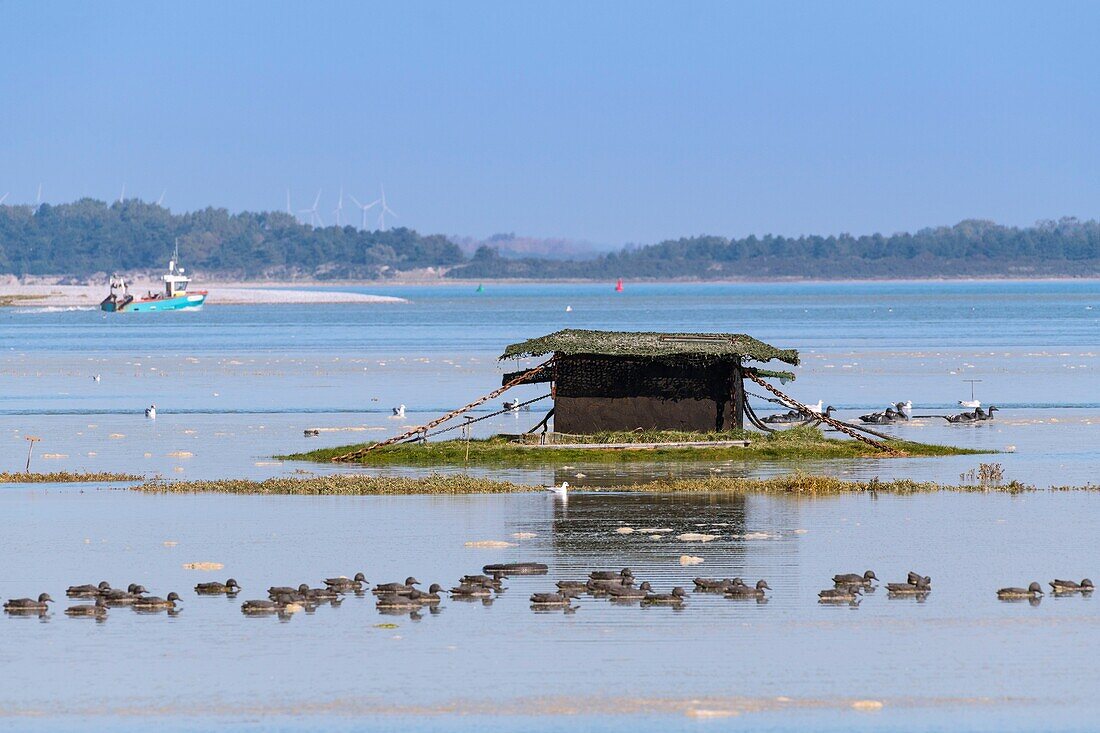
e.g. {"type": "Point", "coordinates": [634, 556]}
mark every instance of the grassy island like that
{"type": "Point", "coordinates": [802, 443]}
{"type": "Point", "coordinates": [64, 477]}
{"type": "Point", "coordinates": [366, 485]}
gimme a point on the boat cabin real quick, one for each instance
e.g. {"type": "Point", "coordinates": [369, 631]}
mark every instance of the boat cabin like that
{"type": "Point", "coordinates": [606, 381]}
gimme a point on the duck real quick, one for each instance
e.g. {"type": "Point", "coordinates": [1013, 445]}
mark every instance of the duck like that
{"type": "Point", "coordinates": [629, 593]}
{"type": "Point", "coordinates": [230, 586]}
{"type": "Point", "coordinates": [151, 412]}
{"type": "Point", "coordinates": [620, 575]}
{"type": "Point", "coordinates": [715, 585]}
{"type": "Point", "coordinates": [922, 585]}
{"type": "Point", "coordinates": [1069, 586]}
{"type": "Point", "coordinates": [88, 610]}
{"type": "Point", "coordinates": [880, 418]}
{"type": "Point", "coordinates": [355, 583]}
{"type": "Point", "coordinates": [156, 603]}
{"type": "Point", "coordinates": [748, 591]}
{"type": "Point", "coordinates": [855, 578]}
{"type": "Point", "coordinates": [393, 600]}
{"type": "Point", "coordinates": [264, 607]}
{"type": "Point", "coordinates": [468, 590]}
{"type": "Point", "coordinates": [840, 594]}
{"type": "Point", "coordinates": [782, 418]}
{"type": "Point", "coordinates": [399, 411]}
{"type": "Point", "coordinates": [489, 581]}
{"type": "Point", "coordinates": [29, 604]}
{"type": "Point", "coordinates": [675, 598]}
{"type": "Point", "coordinates": [96, 377]}
{"type": "Point", "coordinates": [601, 587]}
{"type": "Point", "coordinates": [427, 599]}
{"type": "Point", "coordinates": [962, 417]}
{"type": "Point", "coordinates": [396, 588]}
{"type": "Point", "coordinates": [87, 591]}
{"type": "Point", "coordinates": [979, 414]}
{"type": "Point", "coordinates": [905, 409]}
{"type": "Point", "coordinates": [914, 578]}
{"type": "Point", "coordinates": [284, 590]}
{"type": "Point", "coordinates": [1032, 591]}
{"type": "Point", "coordinates": [119, 597]}
{"type": "Point", "coordinates": [557, 600]}
{"type": "Point", "coordinates": [516, 568]}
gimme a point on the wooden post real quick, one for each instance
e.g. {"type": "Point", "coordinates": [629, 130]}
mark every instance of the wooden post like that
{"type": "Point", "coordinates": [30, 448]}
{"type": "Point", "coordinates": [737, 396]}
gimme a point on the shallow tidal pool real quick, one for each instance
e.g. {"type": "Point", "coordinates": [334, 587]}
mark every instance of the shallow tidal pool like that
{"type": "Point", "coordinates": [959, 659]}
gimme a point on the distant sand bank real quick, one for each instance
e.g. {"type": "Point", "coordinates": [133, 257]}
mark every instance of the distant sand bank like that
{"type": "Point", "coordinates": [45, 295]}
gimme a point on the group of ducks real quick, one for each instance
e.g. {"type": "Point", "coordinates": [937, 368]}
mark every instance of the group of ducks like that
{"type": "Point", "coordinates": [617, 586]}
{"type": "Point", "coordinates": [849, 587]}
{"type": "Point", "coordinates": [897, 412]}
{"type": "Point", "coordinates": [978, 415]}
{"type": "Point", "coordinates": [103, 597]}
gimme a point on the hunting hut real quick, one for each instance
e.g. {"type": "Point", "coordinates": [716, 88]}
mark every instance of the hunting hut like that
{"type": "Point", "coordinates": [622, 381]}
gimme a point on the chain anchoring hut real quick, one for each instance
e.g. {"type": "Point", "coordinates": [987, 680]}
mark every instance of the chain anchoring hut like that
{"type": "Point", "coordinates": [624, 381]}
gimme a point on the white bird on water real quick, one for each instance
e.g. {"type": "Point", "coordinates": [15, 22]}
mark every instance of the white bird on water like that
{"type": "Point", "coordinates": [399, 411]}
{"type": "Point", "coordinates": [562, 491]}
{"type": "Point", "coordinates": [95, 378]}
{"type": "Point", "coordinates": [816, 408]}
{"type": "Point", "coordinates": [151, 411]}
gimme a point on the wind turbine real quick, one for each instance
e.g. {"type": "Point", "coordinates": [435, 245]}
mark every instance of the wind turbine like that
{"type": "Point", "coordinates": [364, 208]}
{"type": "Point", "coordinates": [288, 211]}
{"type": "Point", "coordinates": [339, 206]}
{"type": "Point", "coordinates": [385, 210]}
{"type": "Point", "coordinates": [4, 197]}
{"type": "Point", "coordinates": [160, 201]}
{"type": "Point", "coordinates": [122, 196]}
{"type": "Point", "coordinates": [312, 211]}
{"type": "Point", "coordinates": [38, 199]}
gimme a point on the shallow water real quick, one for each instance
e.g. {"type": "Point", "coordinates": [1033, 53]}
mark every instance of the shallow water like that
{"type": "Point", "coordinates": [975, 653]}
{"type": "Point", "coordinates": [236, 385]}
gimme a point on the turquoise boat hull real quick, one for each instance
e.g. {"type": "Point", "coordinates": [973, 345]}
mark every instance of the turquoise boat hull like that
{"type": "Point", "coordinates": [182, 302]}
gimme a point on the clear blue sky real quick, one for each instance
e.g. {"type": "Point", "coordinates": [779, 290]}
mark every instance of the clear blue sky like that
{"type": "Point", "coordinates": [601, 121]}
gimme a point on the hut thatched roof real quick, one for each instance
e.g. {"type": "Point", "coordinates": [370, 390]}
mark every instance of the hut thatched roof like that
{"type": "Point", "coordinates": [662, 346]}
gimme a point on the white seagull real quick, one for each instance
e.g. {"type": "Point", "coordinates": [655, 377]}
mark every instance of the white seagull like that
{"type": "Point", "coordinates": [399, 411]}
{"type": "Point", "coordinates": [562, 491]}
{"type": "Point", "coordinates": [151, 411]}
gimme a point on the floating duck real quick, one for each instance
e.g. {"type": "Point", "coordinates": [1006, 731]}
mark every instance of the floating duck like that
{"type": "Point", "coordinates": [399, 411]}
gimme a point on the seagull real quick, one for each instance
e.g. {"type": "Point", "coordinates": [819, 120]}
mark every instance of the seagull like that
{"type": "Point", "coordinates": [399, 411]}
{"type": "Point", "coordinates": [151, 411]}
{"type": "Point", "coordinates": [816, 408]}
{"type": "Point", "coordinates": [95, 378]}
{"type": "Point", "coordinates": [562, 491]}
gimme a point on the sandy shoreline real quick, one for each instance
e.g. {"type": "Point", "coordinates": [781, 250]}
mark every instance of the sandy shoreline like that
{"type": "Point", "coordinates": [46, 295]}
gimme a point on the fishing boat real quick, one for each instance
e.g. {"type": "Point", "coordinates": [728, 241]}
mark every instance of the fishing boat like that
{"type": "Point", "coordinates": [175, 297]}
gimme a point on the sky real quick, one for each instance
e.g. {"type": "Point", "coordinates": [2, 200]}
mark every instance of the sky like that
{"type": "Point", "coordinates": [607, 122]}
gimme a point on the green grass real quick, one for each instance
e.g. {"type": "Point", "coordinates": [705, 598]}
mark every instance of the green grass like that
{"type": "Point", "coordinates": [364, 485]}
{"type": "Point", "coordinates": [64, 477]}
{"type": "Point", "coordinates": [800, 443]}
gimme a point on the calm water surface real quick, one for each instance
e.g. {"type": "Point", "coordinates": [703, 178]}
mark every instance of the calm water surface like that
{"type": "Point", "coordinates": [236, 385]}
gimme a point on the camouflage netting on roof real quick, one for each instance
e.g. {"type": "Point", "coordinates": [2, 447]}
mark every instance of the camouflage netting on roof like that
{"type": "Point", "coordinates": [663, 346]}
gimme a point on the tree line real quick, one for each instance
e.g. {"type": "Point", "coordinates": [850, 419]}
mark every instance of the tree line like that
{"type": "Point", "coordinates": [968, 249]}
{"type": "Point", "coordinates": [89, 236]}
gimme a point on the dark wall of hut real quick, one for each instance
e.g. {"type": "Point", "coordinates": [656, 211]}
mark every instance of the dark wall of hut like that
{"type": "Point", "coordinates": [602, 393]}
